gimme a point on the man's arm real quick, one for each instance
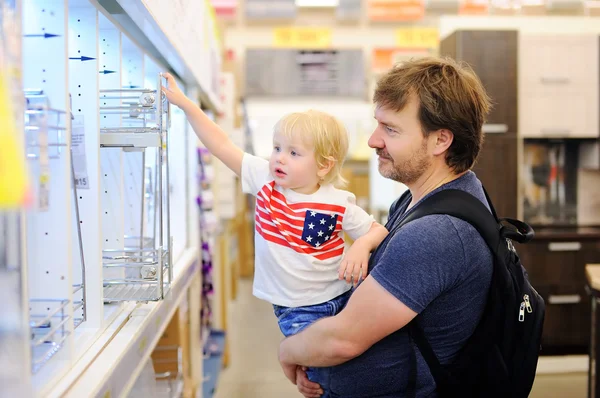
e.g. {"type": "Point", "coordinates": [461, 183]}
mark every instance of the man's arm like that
{"type": "Point", "coordinates": [211, 135]}
{"type": "Point", "coordinates": [371, 314]}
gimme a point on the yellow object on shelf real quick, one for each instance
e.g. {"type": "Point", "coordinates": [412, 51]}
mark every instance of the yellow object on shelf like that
{"type": "Point", "coordinates": [13, 177]}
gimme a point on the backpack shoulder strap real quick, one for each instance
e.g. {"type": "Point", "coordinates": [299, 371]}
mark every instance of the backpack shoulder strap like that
{"type": "Point", "coordinates": [462, 205]}
{"type": "Point", "coordinates": [394, 207]}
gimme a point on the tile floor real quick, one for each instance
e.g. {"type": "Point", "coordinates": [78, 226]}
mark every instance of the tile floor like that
{"type": "Point", "coordinates": [254, 372]}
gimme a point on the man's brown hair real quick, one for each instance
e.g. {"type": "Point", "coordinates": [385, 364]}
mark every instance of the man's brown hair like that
{"type": "Point", "coordinates": [450, 97]}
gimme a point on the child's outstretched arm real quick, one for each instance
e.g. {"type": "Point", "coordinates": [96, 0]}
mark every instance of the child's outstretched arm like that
{"type": "Point", "coordinates": [355, 264]}
{"type": "Point", "coordinates": [211, 135]}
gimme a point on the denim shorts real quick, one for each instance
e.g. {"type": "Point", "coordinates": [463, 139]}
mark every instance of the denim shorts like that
{"type": "Point", "coordinates": [293, 320]}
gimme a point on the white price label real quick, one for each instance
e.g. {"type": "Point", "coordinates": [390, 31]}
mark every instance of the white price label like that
{"type": "Point", "coordinates": [78, 153]}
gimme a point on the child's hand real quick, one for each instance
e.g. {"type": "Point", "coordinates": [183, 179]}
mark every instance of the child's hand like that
{"type": "Point", "coordinates": [173, 93]}
{"type": "Point", "coordinates": [355, 264]}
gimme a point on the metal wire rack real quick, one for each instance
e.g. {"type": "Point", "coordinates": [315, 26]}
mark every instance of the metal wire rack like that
{"type": "Point", "coordinates": [48, 331]}
{"type": "Point", "coordinates": [145, 116]}
{"type": "Point", "coordinates": [45, 127]}
{"type": "Point", "coordinates": [145, 259]}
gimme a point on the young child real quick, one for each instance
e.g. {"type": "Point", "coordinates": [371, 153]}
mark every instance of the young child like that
{"type": "Point", "coordinates": [302, 264]}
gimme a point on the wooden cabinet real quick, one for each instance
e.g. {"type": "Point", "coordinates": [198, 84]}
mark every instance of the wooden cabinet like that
{"type": "Point", "coordinates": [496, 167]}
{"type": "Point", "coordinates": [493, 57]}
{"type": "Point", "coordinates": [555, 262]}
{"type": "Point", "coordinates": [559, 85]}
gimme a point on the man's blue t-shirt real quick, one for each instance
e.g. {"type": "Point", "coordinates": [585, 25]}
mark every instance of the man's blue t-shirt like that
{"type": "Point", "coordinates": [440, 267]}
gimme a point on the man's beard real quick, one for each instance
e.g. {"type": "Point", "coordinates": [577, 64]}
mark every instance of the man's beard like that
{"type": "Point", "coordinates": [408, 171]}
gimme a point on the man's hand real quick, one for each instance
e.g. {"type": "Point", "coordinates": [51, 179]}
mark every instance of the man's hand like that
{"type": "Point", "coordinates": [306, 387]}
{"type": "Point", "coordinates": [173, 92]}
{"type": "Point", "coordinates": [289, 370]}
{"type": "Point", "coordinates": [355, 264]}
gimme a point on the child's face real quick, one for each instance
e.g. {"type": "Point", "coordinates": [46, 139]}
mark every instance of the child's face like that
{"type": "Point", "coordinates": [293, 165]}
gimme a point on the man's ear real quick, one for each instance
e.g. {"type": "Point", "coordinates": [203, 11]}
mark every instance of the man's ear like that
{"type": "Point", "coordinates": [443, 140]}
{"type": "Point", "coordinates": [326, 168]}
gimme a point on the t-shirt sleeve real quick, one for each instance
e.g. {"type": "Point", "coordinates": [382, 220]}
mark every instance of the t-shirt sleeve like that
{"type": "Point", "coordinates": [255, 173]}
{"type": "Point", "coordinates": [422, 260]}
{"type": "Point", "coordinates": [356, 222]}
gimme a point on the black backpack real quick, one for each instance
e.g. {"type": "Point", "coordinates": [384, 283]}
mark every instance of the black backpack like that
{"type": "Point", "coordinates": [500, 358]}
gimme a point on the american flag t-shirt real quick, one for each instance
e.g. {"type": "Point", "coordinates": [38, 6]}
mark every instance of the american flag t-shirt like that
{"type": "Point", "coordinates": [307, 228]}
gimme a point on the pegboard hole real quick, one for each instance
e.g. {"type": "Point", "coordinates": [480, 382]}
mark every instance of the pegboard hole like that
{"type": "Point", "coordinates": [79, 95]}
{"type": "Point", "coordinates": [47, 272]}
{"type": "Point", "coordinates": [78, 35]}
{"type": "Point", "coordinates": [79, 86]}
{"type": "Point", "coordinates": [79, 20]}
{"type": "Point", "coordinates": [78, 51]}
{"type": "Point", "coordinates": [107, 240]}
{"type": "Point", "coordinates": [43, 81]}
{"type": "Point", "coordinates": [62, 278]}
{"type": "Point", "coordinates": [105, 175]}
{"type": "Point", "coordinates": [44, 70]}
{"type": "Point", "coordinates": [81, 197]}
{"type": "Point", "coordinates": [46, 233]}
{"type": "Point", "coordinates": [80, 222]}
{"type": "Point", "coordinates": [80, 110]}
{"type": "Point", "coordinates": [47, 308]}
{"type": "Point", "coordinates": [105, 212]}
{"type": "Point", "coordinates": [105, 191]}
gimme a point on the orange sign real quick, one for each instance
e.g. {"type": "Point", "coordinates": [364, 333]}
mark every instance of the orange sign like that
{"type": "Point", "coordinates": [396, 10]}
{"type": "Point", "coordinates": [474, 7]}
{"type": "Point", "coordinates": [385, 58]}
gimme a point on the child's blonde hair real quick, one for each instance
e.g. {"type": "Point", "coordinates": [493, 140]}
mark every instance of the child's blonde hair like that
{"type": "Point", "coordinates": [325, 134]}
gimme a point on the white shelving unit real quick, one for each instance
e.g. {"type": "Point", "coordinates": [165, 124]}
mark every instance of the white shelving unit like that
{"type": "Point", "coordinates": [110, 242]}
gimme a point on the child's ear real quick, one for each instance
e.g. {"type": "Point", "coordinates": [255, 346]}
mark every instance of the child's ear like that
{"type": "Point", "coordinates": [326, 168]}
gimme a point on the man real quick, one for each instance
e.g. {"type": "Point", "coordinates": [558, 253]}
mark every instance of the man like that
{"type": "Point", "coordinates": [429, 116]}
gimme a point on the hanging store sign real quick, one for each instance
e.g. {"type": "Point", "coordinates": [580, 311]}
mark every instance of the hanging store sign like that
{"type": "Point", "coordinates": [417, 37]}
{"type": "Point", "coordinates": [301, 37]}
{"type": "Point", "coordinates": [474, 7]}
{"type": "Point", "coordinates": [383, 59]}
{"type": "Point", "coordinates": [225, 8]}
{"type": "Point", "coordinates": [395, 10]}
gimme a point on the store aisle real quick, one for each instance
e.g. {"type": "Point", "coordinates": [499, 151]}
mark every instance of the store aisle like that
{"type": "Point", "coordinates": [253, 369]}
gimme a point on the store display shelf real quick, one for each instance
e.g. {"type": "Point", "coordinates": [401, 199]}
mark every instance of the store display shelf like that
{"type": "Point", "coordinates": [142, 281]}
{"type": "Point", "coordinates": [134, 292]}
{"type": "Point", "coordinates": [129, 347]}
{"type": "Point", "coordinates": [135, 140]}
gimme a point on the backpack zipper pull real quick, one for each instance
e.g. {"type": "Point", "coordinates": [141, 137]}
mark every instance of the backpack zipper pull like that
{"type": "Point", "coordinates": [527, 303]}
{"type": "Point", "coordinates": [522, 312]}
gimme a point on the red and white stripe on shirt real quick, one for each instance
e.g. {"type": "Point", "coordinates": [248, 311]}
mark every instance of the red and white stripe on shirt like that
{"type": "Point", "coordinates": [282, 223]}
